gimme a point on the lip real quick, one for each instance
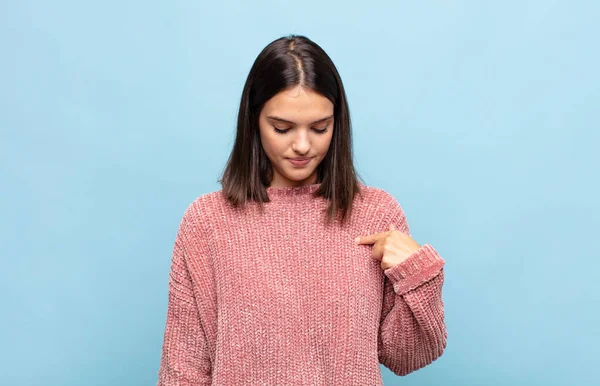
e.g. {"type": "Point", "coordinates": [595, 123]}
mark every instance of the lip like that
{"type": "Point", "coordinates": [299, 161]}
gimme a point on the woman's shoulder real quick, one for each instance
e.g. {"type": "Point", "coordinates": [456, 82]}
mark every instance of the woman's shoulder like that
{"type": "Point", "coordinates": [200, 209]}
{"type": "Point", "coordinates": [210, 198]}
{"type": "Point", "coordinates": [382, 204]}
{"type": "Point", "coordinates": [212, 203]}
{"type": "Point", "coordinates": [377, 196]}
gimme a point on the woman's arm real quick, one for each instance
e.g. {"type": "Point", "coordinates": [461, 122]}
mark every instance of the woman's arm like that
{"type": "Point", "coordinates": [185, 356]}
{"type": "Point", "coordinates": [412, 330]}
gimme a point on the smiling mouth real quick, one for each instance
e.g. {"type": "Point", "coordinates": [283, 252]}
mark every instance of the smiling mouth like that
{"type": "Point", "coordinates": [299, 161]}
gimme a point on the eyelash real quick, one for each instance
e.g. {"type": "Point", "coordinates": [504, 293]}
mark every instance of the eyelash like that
{"type": "Point", "coordinates": [280, 131]}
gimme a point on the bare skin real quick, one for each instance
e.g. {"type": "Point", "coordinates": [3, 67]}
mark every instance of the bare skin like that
{"type": "Point", "coordinates": [307, 118]}
{"type": "Point", "coordinates": [391, 247]}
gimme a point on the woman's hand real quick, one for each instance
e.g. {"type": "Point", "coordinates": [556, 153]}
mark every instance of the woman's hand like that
{"type": "Point", "coordinates": [391, 247]}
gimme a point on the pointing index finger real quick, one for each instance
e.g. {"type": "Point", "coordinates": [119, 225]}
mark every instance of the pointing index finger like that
{"type": "Point", "coordinates": [369, 239]}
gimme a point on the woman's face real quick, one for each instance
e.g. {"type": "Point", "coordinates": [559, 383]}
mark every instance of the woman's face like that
{"type": "Point", "coordinates": [306, 119]}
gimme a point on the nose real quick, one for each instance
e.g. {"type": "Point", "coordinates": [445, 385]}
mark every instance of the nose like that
{"type": "Point", "coordinates": [301, 144]}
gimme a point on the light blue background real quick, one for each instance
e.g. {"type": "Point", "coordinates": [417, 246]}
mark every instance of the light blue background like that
{"type": "Point", "coordinates": [480, 117]}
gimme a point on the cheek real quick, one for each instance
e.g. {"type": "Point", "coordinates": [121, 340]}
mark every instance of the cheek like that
{"type": "Point", "coordinates": [323, 145]}
{"type": "Point", "coordinates": [273, 146]}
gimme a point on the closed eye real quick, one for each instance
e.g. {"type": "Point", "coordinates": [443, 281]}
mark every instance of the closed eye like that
{"type": "Point", "coordinates": [283, 131]}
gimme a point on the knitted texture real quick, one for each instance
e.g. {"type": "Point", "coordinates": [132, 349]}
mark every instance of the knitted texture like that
{"type": "Point", "coordinates": [281, 298]}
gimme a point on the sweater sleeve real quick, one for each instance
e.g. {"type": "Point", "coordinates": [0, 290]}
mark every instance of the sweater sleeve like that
{"type": "Point", "coordinates": [412, 331]}
{"type": "Point", "coordinates": [185, 356]}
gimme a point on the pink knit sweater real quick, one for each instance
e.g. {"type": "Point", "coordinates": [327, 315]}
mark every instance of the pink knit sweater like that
{"type": "Point", "coordinates": [279, 298]}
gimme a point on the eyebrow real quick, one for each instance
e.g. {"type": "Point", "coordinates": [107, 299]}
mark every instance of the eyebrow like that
{"type": "Point", "coordinates": [290, 122]}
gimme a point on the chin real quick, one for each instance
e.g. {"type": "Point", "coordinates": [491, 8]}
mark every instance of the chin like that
{"type": "Point", "coordinates": [299, 175]}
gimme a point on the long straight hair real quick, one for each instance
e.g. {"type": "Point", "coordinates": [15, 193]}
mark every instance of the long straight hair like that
{"type": "Point", "coordinates": [287, 62]}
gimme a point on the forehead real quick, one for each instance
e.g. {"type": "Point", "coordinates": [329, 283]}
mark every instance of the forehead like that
{"type": "Point", "coordinates": [298, 104]}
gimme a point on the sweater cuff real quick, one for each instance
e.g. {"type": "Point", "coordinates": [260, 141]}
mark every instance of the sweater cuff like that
{"type": "Point", "coordinates": [423, 265]}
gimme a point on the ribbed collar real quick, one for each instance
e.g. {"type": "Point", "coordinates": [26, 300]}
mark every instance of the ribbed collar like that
{"type": "Point", "coordinates": [292, 192]}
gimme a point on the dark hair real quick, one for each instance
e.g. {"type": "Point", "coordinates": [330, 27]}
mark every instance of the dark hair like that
{"type": "Point", "coordinates": [287, 62]}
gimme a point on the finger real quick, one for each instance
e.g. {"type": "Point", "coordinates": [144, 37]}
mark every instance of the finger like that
{"type": "Point", "coordinates": [378, 251]}
{"type": "Point", "coordinates": [392, 227]}
{"type": "Point", "coordinates": [370, 239]}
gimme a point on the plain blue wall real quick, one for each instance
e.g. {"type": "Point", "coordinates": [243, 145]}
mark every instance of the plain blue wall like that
{"type": "Point", "coordinates": [480, 117]}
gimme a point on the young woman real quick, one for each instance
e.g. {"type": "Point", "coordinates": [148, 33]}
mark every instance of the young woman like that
{"type": "Point", "coordinates": [268, 285]}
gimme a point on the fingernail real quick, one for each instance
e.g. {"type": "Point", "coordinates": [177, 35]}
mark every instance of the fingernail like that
{"type": "Point", "coordinates": [356, 240]}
